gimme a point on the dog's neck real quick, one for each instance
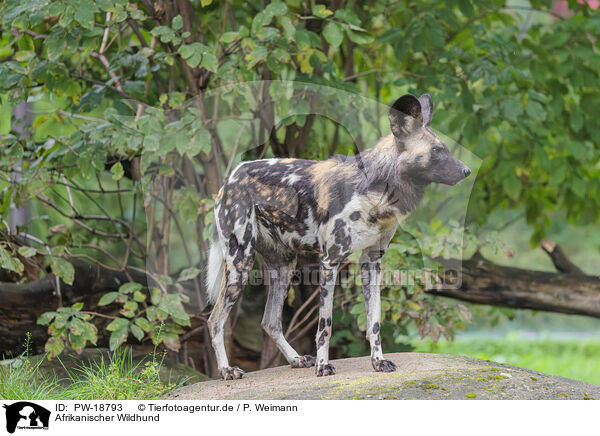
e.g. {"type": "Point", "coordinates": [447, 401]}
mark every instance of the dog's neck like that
{"type": "Point", "coordinates": [382, 171]}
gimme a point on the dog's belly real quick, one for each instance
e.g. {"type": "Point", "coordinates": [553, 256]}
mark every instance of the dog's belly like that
{"type": "Point", "coordinates": [281, 237]}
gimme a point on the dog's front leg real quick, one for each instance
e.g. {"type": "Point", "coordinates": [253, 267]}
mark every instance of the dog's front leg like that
{"type": "Point", "coordinates": [328, 274]}
{"type": "Point", "coordinates": [370, 269]}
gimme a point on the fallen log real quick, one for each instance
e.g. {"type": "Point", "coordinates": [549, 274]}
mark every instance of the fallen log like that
{"type": "Point", "coordinates": [22, 303]}
{"type": "Point", "coordinates": [484, 282]}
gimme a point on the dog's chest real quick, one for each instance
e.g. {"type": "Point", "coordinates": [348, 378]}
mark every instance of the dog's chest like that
{"type": "Point", "coordinates": [364, 221]}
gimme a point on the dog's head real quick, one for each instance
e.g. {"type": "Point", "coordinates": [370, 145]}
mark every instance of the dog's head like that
{"type": "Point", "coordinates": [423, 154]}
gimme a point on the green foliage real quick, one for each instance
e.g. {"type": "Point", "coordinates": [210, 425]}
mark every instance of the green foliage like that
{"type": "Point", "coordinates": [68, 326]}
{"type": "Point", "coordinates": [575, 359]}
{"type": "Point", "coordinates": [144, 312]}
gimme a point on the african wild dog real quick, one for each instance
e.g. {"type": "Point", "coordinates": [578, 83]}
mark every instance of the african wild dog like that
{"type": "Point", "coordinates": [284, 208]}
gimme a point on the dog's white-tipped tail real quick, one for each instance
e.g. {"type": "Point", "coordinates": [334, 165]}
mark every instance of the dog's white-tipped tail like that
{"type": "Point", "coordinates": [214, 273]}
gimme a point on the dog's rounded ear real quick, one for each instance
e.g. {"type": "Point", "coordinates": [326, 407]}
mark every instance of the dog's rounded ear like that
{"type": "Point", "coordinates": [405, 115]}
{"type": "Point", "coordinates": [426, 108]}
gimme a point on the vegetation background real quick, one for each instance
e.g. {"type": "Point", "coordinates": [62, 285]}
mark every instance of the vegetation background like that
{"type": "Point", "coordinates": [111, 156]}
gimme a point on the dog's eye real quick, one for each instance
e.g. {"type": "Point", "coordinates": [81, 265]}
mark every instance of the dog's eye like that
{"type": "Point", "coordinates": [437, 149]}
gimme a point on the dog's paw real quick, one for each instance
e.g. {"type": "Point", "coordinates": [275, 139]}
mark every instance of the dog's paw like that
{"type": "Point", "coordinates": [231, 373]}
{"type": "Point", "coordinates": [383, 365]}
{"type": "Point", "coordinates": [305, 361]}
{"type": "Point", "coordinates": [325, 369]}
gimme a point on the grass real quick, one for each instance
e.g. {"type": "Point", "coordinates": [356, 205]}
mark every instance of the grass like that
{"type": "Point", "coordinates": [114, 379]}
{"type": "Point", "coordinates": [20, 380]}
{"type": "Point", "coordinates": [576, 359]}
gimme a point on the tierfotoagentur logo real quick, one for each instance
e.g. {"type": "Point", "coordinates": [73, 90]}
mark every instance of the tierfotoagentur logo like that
{"type": "Point", "coordinates": [26, 416]}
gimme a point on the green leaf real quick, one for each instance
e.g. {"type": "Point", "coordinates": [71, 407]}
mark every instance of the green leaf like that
{"type": "Point", "coordinates": [171, 341]}
{"type": "Point", "coordinates": [139, 296]}
{"type": "Point", "coordinates": [137, 332]}
{"type": "Point", "coordinates": [118, 324]}
{"type": "Point", "coordinates": [127, 313]}
{"type": "Point", "coordinates": [512, 185]}
{"type": "Point", "coordinates": [85, 14]}
{"type": "Point", "coordinates": [24, 55]}
{"type": "Point", "coordinates": [205, 3]}
{"type": "Point", "coordinates": [257, 55]}
{"type": "Point", "coordinates": [347, 16]}
{"type": "Point", "coordinates": [46, 317]}
{"type": "Point", "coordinates": [143, 323]}
{"type": "Point", "coordinates": [155, 296]}
{"type": "Point", "coordinates": [276, 8]}
{"type": "Point", "coordinates": [289, 30]}
{"type": "Point", "coordinates": [188, 273]}
{"type": "Point", "coordinates": [117, 171]}
{"type": "Point", "coordinates": [10, 263]}
{"type": "Point", "coordinates": [576, 119]}
{"type": "Point", "coordinates": [117, 338]}
{"type": "Point", "coordinates": [146, 52]}
{"type": "Point", "coordinates": [579, 187]}
{"type": "Point", "coordinates": [466, 7]}
{"type": "Point", "coordinates": [177, 22]}
{"type": "Point", "coordinates": [558, 175]}
{"type": "Point", "coordinates": [60, 321]}
{"type": "Point", "coordinates": [512, 108]}
{"type": "Point", "coordinates": [54, 346]}
{"type": "Point", "coordinates": [62, 269]}
{"type": "Point", "coordinates": [171, 303]}
{"type": "Point", "coordinates": [196, 53]}
{"type": "Point", "coordinates": [130, 305]}
{"type": "Point", "coordinates": [130, 287]}
{"type": "Point", "coordinates": [435, 34]}
{"type": "Point", "coordinates": [27, 252]}
{"type": "Point", "coordinates": [333, 34]}
{"type": "Point", "coordinates": [359, 37]}
{"type": "Point", "coordinates": [77, 342]}
{"type": "Point", "coordinates": [229, 37]}
{"type": "Point", "coordinates": [535, 110]}
{"type": "Point", "coordinates": [199, 142]}
{"type": "Point", "coordinates": [152, 313]}
{"type": "Point", "coordinates": [357, 309]}
{"type": "Point", "coordinates": [76, 326]}
{"type": "Point", "coordinates": [321, 11]}
{"type": "Point", "coordinates": [90, 332]}
{"type": "Point", "coordinates": [210, 62]}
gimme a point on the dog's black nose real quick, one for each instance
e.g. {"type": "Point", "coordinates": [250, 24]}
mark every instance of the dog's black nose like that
{"type": "Point", "coordinates": [467, 172]}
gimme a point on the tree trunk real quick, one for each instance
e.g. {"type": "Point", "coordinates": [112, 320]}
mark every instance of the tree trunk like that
{"type": "Point", "coordinates": [22, 117]}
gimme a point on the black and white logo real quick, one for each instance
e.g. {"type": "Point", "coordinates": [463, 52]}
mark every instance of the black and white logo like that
{"type": "Point", "coordinates": [26, 415]}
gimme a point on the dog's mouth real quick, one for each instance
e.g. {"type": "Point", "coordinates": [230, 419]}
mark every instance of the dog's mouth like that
{"type": "Point", "coordinates": [464, 172]}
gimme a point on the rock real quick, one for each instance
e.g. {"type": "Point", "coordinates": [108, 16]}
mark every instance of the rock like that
{"type": "Point", "coordinates": [419, 376]}
{"type": "Point", "coordinates": [170, 371]}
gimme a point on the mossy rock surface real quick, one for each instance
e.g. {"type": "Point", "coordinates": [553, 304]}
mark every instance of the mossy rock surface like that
{"type": "Point", "coordinates": [419, 376]}
{"type": "Point", "coordinates": [71, 362]}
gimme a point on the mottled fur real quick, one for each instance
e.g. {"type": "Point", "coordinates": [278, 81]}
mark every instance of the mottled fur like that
{"type": "Point", "coordinates": [286, 209]}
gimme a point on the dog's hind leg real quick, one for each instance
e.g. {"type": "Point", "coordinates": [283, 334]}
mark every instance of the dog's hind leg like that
{"type": "Point", "coordinates": [238, 264]}
{"type": "Point", "coordinates": [279, 282]}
